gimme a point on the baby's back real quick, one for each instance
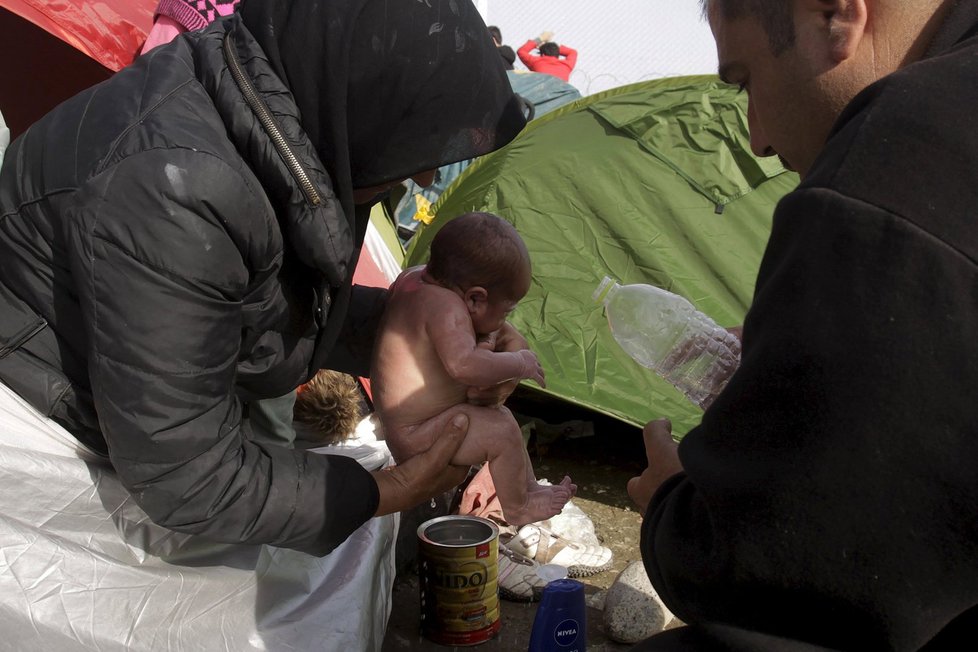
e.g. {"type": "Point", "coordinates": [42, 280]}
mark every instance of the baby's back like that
{"type": "Point", "coordinates": [409, 382]}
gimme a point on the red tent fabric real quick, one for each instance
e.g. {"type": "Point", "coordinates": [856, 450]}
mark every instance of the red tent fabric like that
{"type": "Point", "coordinates": [52, 49]}
{"type": "Point", "coordinates": [110, 31]}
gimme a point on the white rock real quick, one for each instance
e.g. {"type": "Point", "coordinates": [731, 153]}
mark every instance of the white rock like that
{"type": "Point", "coordinates": [633, 610]}
{"type": "Point", "coordinates": [596, 600]}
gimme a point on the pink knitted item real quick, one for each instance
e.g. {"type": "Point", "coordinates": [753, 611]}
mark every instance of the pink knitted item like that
{"type": "Point", "coordinates": [195, 14]}
{"type": "Point", "coordinates": [164, 30]}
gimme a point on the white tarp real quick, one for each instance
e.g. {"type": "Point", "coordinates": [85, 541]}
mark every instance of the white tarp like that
{"type": "Point", "coordinates": [4, 137]}
{"type": "Point", "coordinates": [82, 567]}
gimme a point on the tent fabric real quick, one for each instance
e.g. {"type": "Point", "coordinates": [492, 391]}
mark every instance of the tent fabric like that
{"type": "Point", "coordinates": [659, 186]}
{"type": "Point", "coordinates": [544, 92]}
{"type": "Point", "coordinates": [109, 31]}
{"type": "Point", "coordinates": [708, 153]}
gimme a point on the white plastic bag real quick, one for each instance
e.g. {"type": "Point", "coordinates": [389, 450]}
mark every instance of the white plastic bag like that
{"type": "Point", "coordinates": [82, 567]}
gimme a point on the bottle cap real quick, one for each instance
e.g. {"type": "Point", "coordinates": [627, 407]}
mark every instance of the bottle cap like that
{"type": "Point", "coordinates": [551, 572]}
{"type": "Point", "coordinates": [563, 587]}
{"type": "Point", "coordinates": [603, 289]}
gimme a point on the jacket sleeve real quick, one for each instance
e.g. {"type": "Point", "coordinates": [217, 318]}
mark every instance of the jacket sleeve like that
{"type": "Point", "coordinates": [570, 56]}
{"type": "Point", "coordinates": [823, 467]}
{"type": "Point", "coordinates": [508, 55]}
{"type": "Point", "coordinates": [524, 53]}
{"type": "Point", "coordinates": [163, 282]}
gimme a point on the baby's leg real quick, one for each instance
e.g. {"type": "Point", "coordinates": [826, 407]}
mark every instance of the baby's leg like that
{"type": "Point", "coordinates": [565, 486]}
{"type": "Point", "coordinates": [495, 436]}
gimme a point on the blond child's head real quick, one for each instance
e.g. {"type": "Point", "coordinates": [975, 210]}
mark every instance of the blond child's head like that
{"type": "Point", "coordinates": [327, 408]}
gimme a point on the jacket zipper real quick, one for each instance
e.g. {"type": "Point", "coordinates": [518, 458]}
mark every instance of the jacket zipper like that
{"type": "Point", "coordinates": [18, 339]}
{"type": "Point", "coordinates": [268, 122]}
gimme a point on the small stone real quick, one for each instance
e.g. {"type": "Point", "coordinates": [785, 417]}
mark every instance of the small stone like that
{"type": "Point", "coordinates": [633, 610]}
{"type": "Point", "coordinates": [596, 601]}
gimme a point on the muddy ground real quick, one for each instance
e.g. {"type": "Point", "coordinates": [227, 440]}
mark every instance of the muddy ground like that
{"type": "Point", "coordinates": [600, 465]}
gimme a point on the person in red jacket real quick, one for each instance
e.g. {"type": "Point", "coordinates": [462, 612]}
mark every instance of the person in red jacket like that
{"type": "Point", "coordinates": [554, 59]}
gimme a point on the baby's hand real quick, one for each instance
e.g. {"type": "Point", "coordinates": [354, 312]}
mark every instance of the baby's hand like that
{"type": "Point", "coordinates": [486, 342]}
{"type": "Point", "coordinates": [531, 367]}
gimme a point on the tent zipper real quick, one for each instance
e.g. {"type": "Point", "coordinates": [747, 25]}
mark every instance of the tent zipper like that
{"type": "Point", "coordinates": [265, 118]}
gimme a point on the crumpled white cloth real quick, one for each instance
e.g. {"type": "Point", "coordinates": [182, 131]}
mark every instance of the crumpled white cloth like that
{"type": "Point", "coordinates": [82, 567]}
{"type": "Point", "coordinates": [4, 137]}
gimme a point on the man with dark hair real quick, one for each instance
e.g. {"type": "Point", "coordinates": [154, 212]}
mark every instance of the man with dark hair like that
{"type": "Point", "coordinates": [775, 16]}
{"type": "Point", "coordinates": [549, 50]}
{"type": "Point", "coordinates": [827, 500]}
{"type": "Point", "coordinates": [506, 52]}
{"type": "Point", "coordinates": [553, 59]}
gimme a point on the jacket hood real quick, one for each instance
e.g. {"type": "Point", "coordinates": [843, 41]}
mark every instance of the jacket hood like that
{"type": "Point", "coordinates": [387, 89]}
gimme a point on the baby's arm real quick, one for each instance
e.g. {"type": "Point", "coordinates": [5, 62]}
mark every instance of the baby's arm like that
{"type": "Point", "coordinates": [506, 338]}
{"type": "Point", "coordinates": [469, 364]}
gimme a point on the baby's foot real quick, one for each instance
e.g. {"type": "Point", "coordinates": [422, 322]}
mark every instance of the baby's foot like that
{"type": "Point", "coordinates": [541, 503]}
{"type": "Point", "coordinates": [566, 486]}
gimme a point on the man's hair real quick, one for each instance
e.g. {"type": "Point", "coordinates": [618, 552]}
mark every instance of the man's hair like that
{"type": "Point", "coordinates": [496, 34]}
{"type": "Point", "coordinates": [775, 16]}
{"type": "Point", "coordinates": [549, 49]}
{"type": "Point", "coordinates": [478, 249]}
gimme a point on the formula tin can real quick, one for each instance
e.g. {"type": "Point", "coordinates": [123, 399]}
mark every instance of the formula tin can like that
{"type": "Point", "coordinates": [458, 567]}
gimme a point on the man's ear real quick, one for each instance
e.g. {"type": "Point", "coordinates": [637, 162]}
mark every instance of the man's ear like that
{"type": "Point", "coordinates": [476, 298]}
{"type": "Point", "coordinates": [843, 22]}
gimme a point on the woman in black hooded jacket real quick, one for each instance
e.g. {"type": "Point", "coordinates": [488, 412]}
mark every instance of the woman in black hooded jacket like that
{"type": "Point", "coordinates": [181, 238]}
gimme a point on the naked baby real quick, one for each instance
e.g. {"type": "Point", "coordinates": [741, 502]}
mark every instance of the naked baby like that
{"type": "Point", "coordinates": [435, 341]}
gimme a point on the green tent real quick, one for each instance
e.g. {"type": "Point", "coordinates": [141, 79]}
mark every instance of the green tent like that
{"type": "Point", "coordinates": [648, 183]}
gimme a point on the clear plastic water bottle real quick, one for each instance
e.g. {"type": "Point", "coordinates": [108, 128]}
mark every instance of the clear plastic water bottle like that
{"type": "Point", "coordinates": [664, 332]}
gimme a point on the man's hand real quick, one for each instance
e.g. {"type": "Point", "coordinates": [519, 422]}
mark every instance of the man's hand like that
{"type": "Point", "coordinates": [737, 331]}
{"type": "Point", "coordinates": [661, 451]}
{"type": "Point", "coordinates": [425, 475]}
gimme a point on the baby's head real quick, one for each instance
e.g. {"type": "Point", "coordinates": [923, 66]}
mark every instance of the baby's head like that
{"type": "Point", "coordinates": [482, 256]}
